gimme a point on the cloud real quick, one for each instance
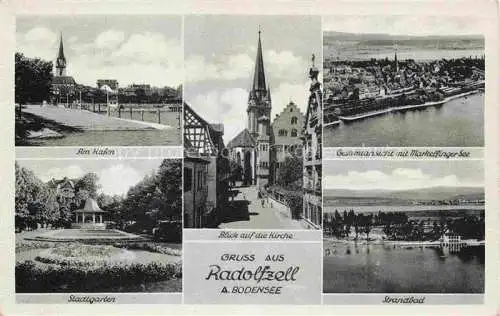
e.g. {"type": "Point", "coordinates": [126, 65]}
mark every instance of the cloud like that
{"type": "Point", "coordinates": [285, 66]}
{"type": "Point", "coordinates": [109, 39]}
{"type": "Point", "coordinates": [117, 179]}
{"type": "Point", "coordinates": [71, 172]}
{"type": "Point", "coordinates": [398, 179]}
{"type": "Point", "coordinates": [404, 24]}
{"type": "Point", "coordinates": [40, 34]}
{"type": "Point", "coordinates": [38, 42]}
{"type": "Point", "coordinates": [227, 106]}
{"type": "Point", "coordinates": [198, 68]}
{"type": "Point", "coordinates": [280, 66]}
{"type": "Point", "coordinates": [139, 57]}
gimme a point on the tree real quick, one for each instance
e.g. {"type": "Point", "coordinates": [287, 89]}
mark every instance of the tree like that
{"type": "Point", "coordinates": [35, 201]}
{"type": "Point", "coordinates": [33, 78]}
{"type": "Point", "coordinates": [290, 173]}
{"type": "Point", "coordinates": [170, 188]}
{"type": "Point", "coordinates": [89, 182]}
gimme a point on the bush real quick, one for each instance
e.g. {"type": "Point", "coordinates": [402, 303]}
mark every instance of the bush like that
{"type": "Point", "coordinates": [25, 245]}
{"type": "Point", "coordinates": [33, 278]}
{"type": "Point", "coordinates": [151, 247]}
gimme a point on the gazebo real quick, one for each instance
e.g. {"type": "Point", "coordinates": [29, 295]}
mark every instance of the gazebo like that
{"type": "Point", "coordinates": [90, 216]}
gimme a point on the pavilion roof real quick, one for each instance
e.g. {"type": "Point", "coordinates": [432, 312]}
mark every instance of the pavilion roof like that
{"type": "Point", "coordinates": [91, 207]}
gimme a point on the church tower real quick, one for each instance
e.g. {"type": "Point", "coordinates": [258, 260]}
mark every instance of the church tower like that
{"type": "Point", "coordinates": [259, 98]}
{"type": "Point", "coordinates": [61, 60]}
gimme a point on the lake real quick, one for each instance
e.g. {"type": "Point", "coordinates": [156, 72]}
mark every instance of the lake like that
{"type": "Point", "coordinates": [351, 268]}
{"type": "Point", "coordinates": [458, 123]}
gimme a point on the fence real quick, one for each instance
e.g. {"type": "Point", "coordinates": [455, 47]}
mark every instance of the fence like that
{"type": "Point", "coordinates": [161, 114]}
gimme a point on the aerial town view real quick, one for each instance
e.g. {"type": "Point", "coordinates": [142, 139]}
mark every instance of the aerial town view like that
{"type": "Point", "coordinates": [252, 122]}
{"type": "Point", "coordinates": [404, 89]}
{"type": "Point", "coordinates": [404, 227]}
{"type": "Point", "coordinates": [94, 225]}
{"type": "Point", "coordinates": [98, 80]}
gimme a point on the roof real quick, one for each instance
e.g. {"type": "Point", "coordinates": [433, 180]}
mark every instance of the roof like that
{"type": "Point", "coordinates": [91, 207]}
{"type": "Point", "coordinates": [243, 139]}
{"type": "Point", "coordinates": [60, 55]}
{"type": "Point", "coordinates": [68, 80]}
{"type": "Point", "coordinates": [259, 79]}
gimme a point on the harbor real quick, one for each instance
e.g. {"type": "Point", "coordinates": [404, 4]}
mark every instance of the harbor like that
{"type": "Point", "coordinates": [405, 107]}
{"type": "Point", "coordinates": [455, 123]}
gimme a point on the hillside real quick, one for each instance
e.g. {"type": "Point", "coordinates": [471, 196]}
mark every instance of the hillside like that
{"type": "Point", "coordinates": [401, 197]}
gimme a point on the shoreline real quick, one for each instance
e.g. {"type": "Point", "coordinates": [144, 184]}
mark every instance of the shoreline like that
{"type": "Point", "coordinates": [400, 243]}
{"type": "Point", "coordinates": [357, 117]}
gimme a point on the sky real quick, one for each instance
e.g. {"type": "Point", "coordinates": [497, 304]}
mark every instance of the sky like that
{"type": "Point", "coordinates": [404, 24]}
{"type": "Point", "coordinates": [116, 176]}
{"type": "Point", "coordinates": [401, 175]}
{"type": "Point", "coordinates": [220, 55]}
{"type": "Point", "coordinates": [131, 49]}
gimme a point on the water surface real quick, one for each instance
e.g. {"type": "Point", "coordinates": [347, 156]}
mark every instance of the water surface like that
{"type": "Point", "coordinates": [458, 123]}
{"type": "Point", "coordinates": [350, 268]}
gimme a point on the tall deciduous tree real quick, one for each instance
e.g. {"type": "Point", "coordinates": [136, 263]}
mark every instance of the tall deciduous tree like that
{"type": "Point", "coordinates": [290, 173]}
{"type": "Point", "coordinates": [33, 78]}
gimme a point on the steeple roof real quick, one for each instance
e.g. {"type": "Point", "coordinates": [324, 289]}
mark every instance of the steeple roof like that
{"type": "Point", "coordinates": [259, 79]}
{"type": "Point", "coordinates": [61, 50]}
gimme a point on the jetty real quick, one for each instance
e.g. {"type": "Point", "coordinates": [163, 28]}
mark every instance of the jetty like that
{"type": "Point", "coordinates": [88, 121]}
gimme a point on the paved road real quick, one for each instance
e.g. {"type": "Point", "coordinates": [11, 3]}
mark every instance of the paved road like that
{"type": "Point", "coordinates": [247, 212]}
{"type": "Point", "coordinates": [89, 121]}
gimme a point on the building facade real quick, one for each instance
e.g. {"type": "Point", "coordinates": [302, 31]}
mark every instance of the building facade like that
{"type": "Point", "coordinates": [112, 83]}
{"type": "Point", "coordinates": [312, 156]}
{"type": "Point", "coordinates": [206, 171]}
{"type": "Point", "coordinates": [286, 136]}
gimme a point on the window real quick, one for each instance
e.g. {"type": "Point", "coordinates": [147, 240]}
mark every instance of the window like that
{"type": "Point", "coordinates": [282, 132]}
{"type": "Point", "coordinates": [294, 120]}
{"type": "Point", "coordinates": [263, 147]}
{"type": "Point", "coordinates": [294, 132]}
{"type": "Point", "coordinates": [188, 179]}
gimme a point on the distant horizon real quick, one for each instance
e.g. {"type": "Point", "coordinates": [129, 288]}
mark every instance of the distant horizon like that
{"type": "Point", "coordinates": [420, 36]}
{"type": "Point", "coordinates": [411, 189]}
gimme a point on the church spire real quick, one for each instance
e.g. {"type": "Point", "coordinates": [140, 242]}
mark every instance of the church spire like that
{"type": "Point", "coordinates": [61, 60]}
{"type": "Point", "coordinates": [61, 49]}
{"type": "Point", "coordinates": [259, 79]}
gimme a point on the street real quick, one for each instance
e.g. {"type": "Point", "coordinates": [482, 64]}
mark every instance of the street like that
{"type": "Point", "coordinates": [246, 211]}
